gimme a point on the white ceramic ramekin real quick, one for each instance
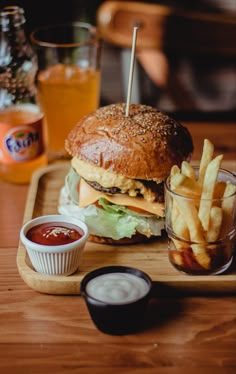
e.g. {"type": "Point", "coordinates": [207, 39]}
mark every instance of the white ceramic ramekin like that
{"type": "Point", "coordinates": [55, 259]}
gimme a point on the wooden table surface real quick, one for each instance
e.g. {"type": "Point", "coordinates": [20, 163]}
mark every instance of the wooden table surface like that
{"type": "Point", "coordinates": [41, 333]}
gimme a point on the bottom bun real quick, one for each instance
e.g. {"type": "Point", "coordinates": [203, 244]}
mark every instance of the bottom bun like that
{"type": "Point", "coordinates": [135, 239]}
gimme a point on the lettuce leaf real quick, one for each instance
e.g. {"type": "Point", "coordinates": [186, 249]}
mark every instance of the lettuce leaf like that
{"type": "Point", "coordinates": [114, 221]}
{"type": "Point", "coordinates": [71, 183]}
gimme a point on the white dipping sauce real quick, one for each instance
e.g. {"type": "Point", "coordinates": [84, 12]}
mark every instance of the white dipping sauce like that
{"type": "Point", "coordinates": [117, 288]}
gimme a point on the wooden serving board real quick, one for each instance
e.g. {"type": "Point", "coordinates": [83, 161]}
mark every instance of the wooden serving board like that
{"type": "Point", "coordinates": [152, 258]}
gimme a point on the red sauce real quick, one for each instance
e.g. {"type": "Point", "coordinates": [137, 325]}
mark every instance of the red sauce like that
{"type": "Point", "coordinates": [184, 260]}
{"type": "Point", "coordinates": [54, 233]}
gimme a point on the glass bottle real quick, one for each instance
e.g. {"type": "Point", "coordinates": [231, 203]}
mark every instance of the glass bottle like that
{"type": "Point", "coordinates": [22, 145]}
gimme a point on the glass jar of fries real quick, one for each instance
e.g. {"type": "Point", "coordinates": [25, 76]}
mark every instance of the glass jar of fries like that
{"type": "Point", "coordinates": [201, 216]}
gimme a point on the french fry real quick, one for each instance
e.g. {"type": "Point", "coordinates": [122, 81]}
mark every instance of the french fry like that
{"type": "Point", "coordinates": [228, 205]}
{"type": "Point", "coordinates": [207, 154]}
{"type": "Point", "coordinates": [216, 217]}
{"type": "Point", "coordinates": [190, 213]}
{"type": "Point", "coordinates": [201, 255]}
{"type": "Point", "coordinates": [180, 228]}
{"type": "Point", "coordinates": [174, 170]}
{"type": "Point", "coordinates": [229, 191]}
{"type": "Point", "coordinates": [219, 190]}
{"type": "Point", "coordinates": [181, 244]}
{"type": "Point", "coordinates": [187, 170]}
{"type": "Point", "coordinates": [208, 191]}
{"type": "Point", "coordinates": [177, 258]}
{"type": "Point", "coordinates": [185, 186]}
{"type": "Point", "coordinates": [174, 211]}
{"type": "Point", "coordinates": [175, 214]}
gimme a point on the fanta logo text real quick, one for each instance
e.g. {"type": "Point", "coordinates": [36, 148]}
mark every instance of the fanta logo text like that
{"type": "Point", "coordinates": [17, 142]}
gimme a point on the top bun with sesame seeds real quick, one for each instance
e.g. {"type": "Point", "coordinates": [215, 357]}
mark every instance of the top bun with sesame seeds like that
{"type": "Point", "coordinates": [143, 145]}
{"type": "Point", "coordinates": [119, 164]}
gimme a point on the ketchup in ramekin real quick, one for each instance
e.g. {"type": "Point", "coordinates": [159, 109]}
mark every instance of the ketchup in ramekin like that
{"type": "Point", "coordinates": [54, 233]}
{"type": "Point", "coordinates": [55, 243]}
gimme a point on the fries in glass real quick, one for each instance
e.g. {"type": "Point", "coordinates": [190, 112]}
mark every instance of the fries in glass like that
{"type": "Point", "coordinates": [201, 215]}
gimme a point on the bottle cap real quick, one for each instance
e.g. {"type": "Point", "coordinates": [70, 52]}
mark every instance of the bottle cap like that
{"type": "Point", "coordinates": [11, 15]}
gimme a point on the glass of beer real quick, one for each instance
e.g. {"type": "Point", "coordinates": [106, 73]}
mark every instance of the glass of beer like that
{"type": "Point", "coordinates": [68, 78]}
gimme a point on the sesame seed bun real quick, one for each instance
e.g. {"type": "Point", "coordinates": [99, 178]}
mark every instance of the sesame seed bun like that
{"type": "Point", "coordinates": [143, 145]}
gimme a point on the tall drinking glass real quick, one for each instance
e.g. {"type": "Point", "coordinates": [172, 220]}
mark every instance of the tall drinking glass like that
{"type": "Point", "coordinates": [68, 79]}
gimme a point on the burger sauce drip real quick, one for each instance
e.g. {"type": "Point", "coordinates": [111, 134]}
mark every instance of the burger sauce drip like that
{"type": "Point", "coordinates": [54, 233]}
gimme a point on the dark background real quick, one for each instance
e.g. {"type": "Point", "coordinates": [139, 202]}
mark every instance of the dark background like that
{"type": "Point", "coordinates": [45, 12]}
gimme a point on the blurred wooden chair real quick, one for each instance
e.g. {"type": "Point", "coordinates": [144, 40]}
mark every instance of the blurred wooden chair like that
{"type": "Point", "coordinates": [171, 31]}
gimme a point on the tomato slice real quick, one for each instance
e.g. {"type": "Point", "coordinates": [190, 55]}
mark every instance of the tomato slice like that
{"type": "Point", "coordinates": [96, 203]}
{"type": "Point", "coordinates": [138, 210]}
{"type": "Point", "coordinates": [78, 187]}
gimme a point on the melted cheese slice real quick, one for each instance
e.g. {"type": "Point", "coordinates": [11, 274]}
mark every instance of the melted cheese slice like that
{"type": "Point", "coordinates": [88, 195]}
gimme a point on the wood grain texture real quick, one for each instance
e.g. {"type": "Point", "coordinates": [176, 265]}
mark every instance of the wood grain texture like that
{"type": "Point", "coordinates": [152, 257]}
{"type": "Point", "coordinates": [56, 333]}
{"type": "Point", "coordinates": [11, 223]}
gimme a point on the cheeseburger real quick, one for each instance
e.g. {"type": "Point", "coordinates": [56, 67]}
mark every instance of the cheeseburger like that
{"type": "Point", "coordinates": [118, 167]}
